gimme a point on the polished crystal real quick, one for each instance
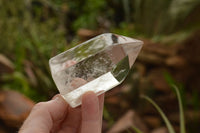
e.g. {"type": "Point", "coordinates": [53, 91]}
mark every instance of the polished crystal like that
{"type": "Point", "coordinates": [98, 65]}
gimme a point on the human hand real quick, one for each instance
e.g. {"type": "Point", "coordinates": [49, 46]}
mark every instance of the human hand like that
{"type": "Point", "coordinates": [56, 116]}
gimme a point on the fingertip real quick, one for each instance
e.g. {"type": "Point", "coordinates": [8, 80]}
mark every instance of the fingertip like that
{"type": "Point", "coordinates": [55, 96]}
{"type": "Point", "coordinates": [90, 103]}
{"type": "Point", "coordinates": [101, 97]}
{"type": "Point", "coordinates": [57, 107]}
{"type": "Point", "coordinates": [101, 101]}
{"type": "Point", "coordinates": [88, 96]}
{"type": "Point", "coordinates": [90, 113]}
{"type": "Point", "coordinates": [59, 98]}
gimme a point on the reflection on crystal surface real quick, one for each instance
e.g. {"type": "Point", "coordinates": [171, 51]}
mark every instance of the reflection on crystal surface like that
{"type": "Point", "coordinates": [86, 66]}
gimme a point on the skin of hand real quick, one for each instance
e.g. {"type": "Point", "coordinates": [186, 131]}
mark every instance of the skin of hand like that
{"type": "Point", "coordinates": [56, 116]}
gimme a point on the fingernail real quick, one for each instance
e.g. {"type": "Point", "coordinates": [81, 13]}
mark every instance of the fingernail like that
{"type": "Point", "coordinates": [55, 97]}
{"type": "Point", "coordinates": [89, 96]}
{"type": "Point", "coordinates": [58, 98]}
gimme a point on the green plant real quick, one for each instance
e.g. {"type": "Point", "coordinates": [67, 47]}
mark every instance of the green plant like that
{"type": "Point", "coordinates": [182, 120]}
{"type": "Point", "coordinates": [167, 122]}
{"type": "Point", "coordinates": [84, 14]}
{"type": "Point", "coordinates": [155, 17]}
{"type": "Point", "coordinates": [107, 116]}
{"type": "Point", "coordinates": [31, 32]}
{"type": "Point", "coordinates": [136, 129]}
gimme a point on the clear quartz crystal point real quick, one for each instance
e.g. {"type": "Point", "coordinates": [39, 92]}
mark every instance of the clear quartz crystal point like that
{"type": "Point", "coordinates": [98, 65]}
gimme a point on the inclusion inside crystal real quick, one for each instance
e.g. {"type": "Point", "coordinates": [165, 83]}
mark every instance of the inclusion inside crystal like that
{"type": "Point", "coordinates": [98, 65]}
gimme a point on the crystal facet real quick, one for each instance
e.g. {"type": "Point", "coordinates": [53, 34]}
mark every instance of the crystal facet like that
{"type": "Point", "coordinates": [98, 65]}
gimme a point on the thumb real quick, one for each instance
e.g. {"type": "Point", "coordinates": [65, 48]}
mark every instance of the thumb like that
{"type": "Point", "coordinates": [91, 116]}
{"type": "Point", "coordinates": [44, 114]}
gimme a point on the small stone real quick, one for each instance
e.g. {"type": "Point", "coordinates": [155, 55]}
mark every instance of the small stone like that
{"type": "Point", "coordinates": [14, 107]}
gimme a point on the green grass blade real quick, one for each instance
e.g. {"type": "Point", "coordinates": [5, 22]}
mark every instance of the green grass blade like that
{"type": "Point", "coordinates": [107, 116]}
{"type": "Point", "coordinates": [136, 129]}
{"type": "Point", "coordinates": [167, 122]}
{"type": "Point", "coordinates": [182, 120]}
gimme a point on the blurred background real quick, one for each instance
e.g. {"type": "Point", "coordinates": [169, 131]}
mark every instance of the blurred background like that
{"type": "Point", "coordinates": [32, 31]}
